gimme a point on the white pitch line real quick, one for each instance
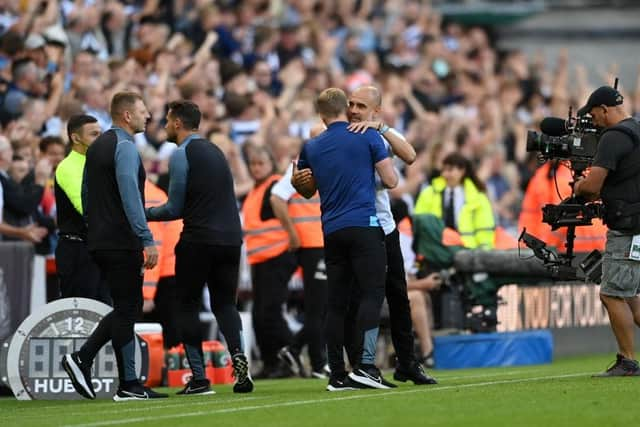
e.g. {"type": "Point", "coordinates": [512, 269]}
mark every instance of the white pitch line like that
{"type": "Point", "coordinates": [143, 406]}
{"type": "Point", "coordinates": [316, 401]}
{"type": "Point", "coordinates": [16, 412]}
{"type": "Point", "coordinates": [497, 374]}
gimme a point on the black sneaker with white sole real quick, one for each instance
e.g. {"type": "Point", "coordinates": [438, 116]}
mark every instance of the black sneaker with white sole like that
{"type": "Point", "coordinates": [136, 391]}
{"type": "Point", "coordinates": [80, 375]}
{"type": "Point", "coordinates": [342, 382]}
{"type": "Point", "coordinates": [321, 374]}
{"type": "Point", "coordinates": [292, 360]}
{"type": "Point", "coordinates": [370, 376]}
{"type": "Point", "coordinates": [196, 387]}
{"type": "Point", "coordinates": [244, 383]}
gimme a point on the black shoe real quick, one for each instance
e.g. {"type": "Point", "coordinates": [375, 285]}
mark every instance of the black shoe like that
{"type": "Point", "coordinates": [370, 376]}
{"type": "Point", "coordinates": [243, 384]}
{"type": "Point", "coordinates": [292, 360]}
{"type": "Point", "coordinates": [622, 367]}
{"type": "Point", "coordinates": [136, 391]}
{"type": "Point", "coordinates": [321, 374]}
{"type": "Point", "coordinates": [414, 373]}
{"type": "Point", "coordinates": [342, 382]}
{"type": "Point", "coordinates": [200, 387]}
{"type": "Point", "coordinates": [80, 375]}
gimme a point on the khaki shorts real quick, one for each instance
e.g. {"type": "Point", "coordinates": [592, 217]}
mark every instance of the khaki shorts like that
{"type": "Point", "coordinates": [620, 275]}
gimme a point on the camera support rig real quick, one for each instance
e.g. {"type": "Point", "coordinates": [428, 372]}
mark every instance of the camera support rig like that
{"type": "Point", "coordinates": [572, 212]}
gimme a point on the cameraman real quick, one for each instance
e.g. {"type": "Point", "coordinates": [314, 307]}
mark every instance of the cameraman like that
{"type": "Point", "coordinates": [615, 178]}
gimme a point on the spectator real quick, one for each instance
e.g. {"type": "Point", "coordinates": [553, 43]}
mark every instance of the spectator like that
{"type": "Point", "coordinates": [458, 198]}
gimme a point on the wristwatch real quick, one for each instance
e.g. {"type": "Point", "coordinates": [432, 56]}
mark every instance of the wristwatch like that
{"type": "Point", "coordinates": [383, 129]}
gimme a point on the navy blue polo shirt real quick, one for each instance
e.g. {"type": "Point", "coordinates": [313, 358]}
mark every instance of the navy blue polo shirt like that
{"type": "Point", "coordinates": [343, 165]}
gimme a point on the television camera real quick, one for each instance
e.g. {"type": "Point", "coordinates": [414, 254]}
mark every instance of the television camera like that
{"type": "Point", "coordinates": [575, 141]}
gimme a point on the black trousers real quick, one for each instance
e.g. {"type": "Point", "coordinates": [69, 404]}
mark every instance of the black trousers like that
{"type": "Point", "coordinates": [356, 264]}
{"type": "Point", "coordinates": [122, 271]}
{"type": "Point", "coordinates": [398, 301]}
{"type": "Point", "coordinates": [314, 277]}
{"type": "Point", "coordinates": [165, 310]}
{"type": "Point", "coordinates": [399, 308]}
{"type": "Point", "coordinates": [218, 267]}
{"type": "Point", "coordinates": [78, 274]}
{"type": "Point", "coordinates": [270, 290]}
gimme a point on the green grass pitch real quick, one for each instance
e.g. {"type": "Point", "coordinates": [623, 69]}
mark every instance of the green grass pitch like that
{"type": "Point", "coordinates": [560, 394]}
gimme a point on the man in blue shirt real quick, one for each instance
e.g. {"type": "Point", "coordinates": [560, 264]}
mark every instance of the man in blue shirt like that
{"type": "Point", "coordinates": [341, 165]}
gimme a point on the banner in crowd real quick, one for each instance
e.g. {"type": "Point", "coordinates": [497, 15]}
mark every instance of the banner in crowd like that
{"type": "Point", "coordinates": [16, 275]}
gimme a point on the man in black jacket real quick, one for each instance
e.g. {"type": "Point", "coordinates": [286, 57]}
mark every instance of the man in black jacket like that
{"type": "Point", "coordinates": [113, 200]}
{"type": "Point", "coordinates": [201, 192]}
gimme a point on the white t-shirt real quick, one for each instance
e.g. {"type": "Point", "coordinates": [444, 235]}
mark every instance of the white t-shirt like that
{"type": "Point", "coordinates": [408, 255]}
{"type": "Point", "coordinates": [383, 204]}
{"type": "Point", "coordinates": [283, 188]}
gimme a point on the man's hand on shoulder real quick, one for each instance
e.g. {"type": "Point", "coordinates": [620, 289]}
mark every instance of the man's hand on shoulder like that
{"type": "Point", "coordinates": [361, 127]}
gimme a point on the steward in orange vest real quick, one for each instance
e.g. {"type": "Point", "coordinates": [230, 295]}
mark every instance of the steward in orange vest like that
{"type": "Point", "coordinates": [541, 190]}
{"type": "Point", "coordinates": [272, 265]}
{"type": "Point", "coordinates": [159, 284]}
{"type": "Point", "coordinates": [300, 218]}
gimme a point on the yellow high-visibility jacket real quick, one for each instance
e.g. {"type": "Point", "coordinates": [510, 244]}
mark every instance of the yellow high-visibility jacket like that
{"type": "Point", "coordinates": [476, 223]}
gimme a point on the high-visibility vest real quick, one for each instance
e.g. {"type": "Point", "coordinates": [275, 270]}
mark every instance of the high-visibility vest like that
{"type": "Point", "coordinates": [167, 262]}
{"type": "Point", "coordinates": [405, 227]}
{"type": "Point", "coordinates": [264, 239]}
{"type": "Point", "coordinates": [153, 196]}
{"type": "Point", "coordinates": [165, 235]}
{"type": "Point", "coordinates": [475, 221]}
{"type": "Point", "coordinates": [542, 190]}
{"type": "Point", "coordinates": [305, 214]}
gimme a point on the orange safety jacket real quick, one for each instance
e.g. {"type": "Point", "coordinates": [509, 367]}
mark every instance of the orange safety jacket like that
{"type": "Point", "coordinates": [305, 214]}
{"type": "Point", "coordinates": [165, 235]}
{"type": "Point", "coordinates": [167, 262]}
{"type": "Point", "coordinates": [405, 227]}
{"type": "Point", "coordinates": [264, 239]}
{"type": "Point", "coordinates": [541, 190]}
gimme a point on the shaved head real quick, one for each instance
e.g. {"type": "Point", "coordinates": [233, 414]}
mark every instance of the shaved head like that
{"type": "Point", "coordinates": [364, 104]}
{"type": "Point", "coordinates": [370, 92]}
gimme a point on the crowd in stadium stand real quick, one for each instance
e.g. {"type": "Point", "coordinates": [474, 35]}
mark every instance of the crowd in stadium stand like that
{"type": "Point", "coordinates": [254, 68]}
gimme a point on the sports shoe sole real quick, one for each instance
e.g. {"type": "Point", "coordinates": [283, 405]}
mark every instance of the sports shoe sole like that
{"type": "Point", "coordinates": [131, 397]}
{"type": "Point", "coordinates": [241, 370]}
{"type": "Point", "coordinates": [77, 377]}
{"type": "Point", "coordinates": [366, 381]}
{"type": "Point", "coordinates": [402, 377]}
{"type": "Point", "coordinates": [332, 388]}
{"type": "Point", "coordinates": [201, 393]}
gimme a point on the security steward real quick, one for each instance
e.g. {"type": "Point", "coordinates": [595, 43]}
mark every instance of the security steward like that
{"type": "Point", "coordinates": [615, 179]}
{"type": "Point", "coordinates": [300, 218]}
{"type": "Point", "coordinates": [272, 264]}
{"type": "Point", "coordinates": [78, 275]}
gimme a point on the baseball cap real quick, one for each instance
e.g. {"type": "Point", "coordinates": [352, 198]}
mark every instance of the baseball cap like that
{"type": "Point", "coordinates": [34, 41]}
{"type": "Point", "coordinates": [604, 95]}
{"type": "Point", "coordinates": [55, 35]}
